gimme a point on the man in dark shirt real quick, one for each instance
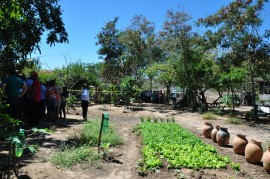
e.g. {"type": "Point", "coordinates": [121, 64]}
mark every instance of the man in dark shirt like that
{"type": "Point", "coordinates": [11, 88]}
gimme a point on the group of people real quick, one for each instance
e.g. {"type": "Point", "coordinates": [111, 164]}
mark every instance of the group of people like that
{"type": "Point", "coordinates": [30, 100]}
{"type": "Point", "coordinates": [154, 97]}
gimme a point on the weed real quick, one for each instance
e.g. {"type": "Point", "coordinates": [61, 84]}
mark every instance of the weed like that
{"type": "Point", "coordinates": [82, 151]}
{"type": "Point", "coordinates": [235, 166]}
{"type": "Point", "coordinates": [234, 120]}
{"type": "Point", "coordinates": [209, 116]}
{"type": "Point", "coordinates": [105, 147]}
{"type": "Point", "coordinates": [161, 120]}
{"type": "Point", "coordinates": [89, 135]}
{"type": "Point", "coordinates": [136, 129]}
{"type": "Point", "coordinates": [155, 119]}
{"type": "Point", "coordinates": [72, 156]}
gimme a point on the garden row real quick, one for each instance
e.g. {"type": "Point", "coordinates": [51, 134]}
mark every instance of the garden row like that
{"type": "Point", "coordinates": [169, 145]}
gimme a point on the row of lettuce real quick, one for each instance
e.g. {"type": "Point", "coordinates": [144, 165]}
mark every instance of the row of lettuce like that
{"type": "Point", "coordinates": [170, 144]}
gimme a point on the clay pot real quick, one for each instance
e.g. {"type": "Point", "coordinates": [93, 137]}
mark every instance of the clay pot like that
{"type": "Point", "coordinates": [214, 133]}
{"type": "Point", "coordinates": [223, 137]}
{"type": "Point", "coordinates": [207, 129]}
{"type": "Point", "coordinates": [253, 151]}
{"type": "Point", "coordinates": [266, 160]}
{"type": "Point", "coordinates": [239, 144]}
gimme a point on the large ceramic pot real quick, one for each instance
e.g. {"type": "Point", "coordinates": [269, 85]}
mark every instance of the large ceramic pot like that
{"type": "Point", "coordinates": [214, 133]}
{"type": "Point", "coordinates": [239, 144]}
{"type": "Point", "coordinates": [266, 160]}
{"type": "Point", "coordinates": [223, 137]}
{"type": "Point", "coordinates": [207, 129]}
{"type": "Point", "coordinates": [253, 151]}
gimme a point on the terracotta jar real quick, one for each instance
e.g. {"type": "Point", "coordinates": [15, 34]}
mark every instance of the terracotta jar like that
{"type": "Point", "coordinates": [214, 133]}
{"type": "Point", "coordinates": [239, 144]}
{"type": "Point", "coordinates": [207, 129]}
{"type": "Point", "coordinates": [253, 151]}
{"type": "Point", "coordinates": [266, 160]}
{"type": "Point", "coordinates": [223, 137]}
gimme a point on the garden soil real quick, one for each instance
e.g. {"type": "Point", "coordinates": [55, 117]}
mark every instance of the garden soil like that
{"type": "Point", "coordinates": [124, 158]}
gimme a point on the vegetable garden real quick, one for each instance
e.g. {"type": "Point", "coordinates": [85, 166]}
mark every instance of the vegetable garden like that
{"type": "Point", "coordinates": [178, 147]}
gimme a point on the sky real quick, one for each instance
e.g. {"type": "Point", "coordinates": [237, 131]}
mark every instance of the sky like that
{"type": "Point", "coordinates": [84, 19]}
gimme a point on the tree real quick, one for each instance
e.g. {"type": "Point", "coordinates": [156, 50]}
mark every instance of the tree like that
{"type": "Point", "coordinates": [177, 40]}
{"type": "Point", "coordinates": [128, 52]}
{"type": "Point", "coordinates": [110, 51]}
{"type": "Point", "coordinates": [237, 33]}
{"type": "Point", "coordinates": [128, 87]}
{"type": "Point", "coordinates": [138, 40]}
{"type": "Point", "coordinates": [20, 36]}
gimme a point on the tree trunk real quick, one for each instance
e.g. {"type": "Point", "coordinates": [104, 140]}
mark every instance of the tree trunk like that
{"type": "Point", "coordinates": [255, 116]}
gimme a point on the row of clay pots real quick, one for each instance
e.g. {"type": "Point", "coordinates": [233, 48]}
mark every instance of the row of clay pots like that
{"type": "Point", "coordinates": [219, 135]}
{"type": "Point", "coordinates": [252, 149]}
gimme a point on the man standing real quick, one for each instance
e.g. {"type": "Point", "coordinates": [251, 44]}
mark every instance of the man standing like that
{"type": "Point", "coordinates": [85, 101]}
{"type": "Point", "coordinates": [11, 87]}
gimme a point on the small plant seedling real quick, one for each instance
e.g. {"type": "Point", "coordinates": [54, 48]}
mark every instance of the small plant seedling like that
{"type": "Point", "coordinates": [106, 150]}
{"type": "Point", "coordinates": [161, 120]}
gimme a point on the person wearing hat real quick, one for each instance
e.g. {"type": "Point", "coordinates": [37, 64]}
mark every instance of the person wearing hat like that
{"type": "Point", "coordinates": [35, 99]}
{"type": "Point", "coordinates": [85, 101]}
{"type": "Point", "coordinates": [11, 87]}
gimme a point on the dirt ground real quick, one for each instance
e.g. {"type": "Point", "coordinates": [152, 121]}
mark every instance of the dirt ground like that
{"type": "Point", "coordinates": [128, 154]}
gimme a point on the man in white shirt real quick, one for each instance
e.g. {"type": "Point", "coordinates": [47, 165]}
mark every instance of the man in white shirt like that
{"type": "Point", "coordinates": [85, 101]}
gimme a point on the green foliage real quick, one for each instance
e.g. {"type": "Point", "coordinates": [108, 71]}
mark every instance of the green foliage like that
{"type": "Point", "coordinates": [209, 116]}
{"type": "Point", "coordinates": [178, 147]}
{"type": "Point", "coordinates": [241, 44]}
{"type": "Point", "coordinates": [31, 19]}
{"type": "Point", "coordinates": [136, 129]}
{"type": "Point", "coordinates": [235, 166]}
{"type": "Point", "coordinates": [71, 100]}
{"type": "Point", "coordinates": [71, 156]}
{"type": "Point", "coordinates": [234, 120]}
{"type": "Point", "coordinates": [155, 119]}
{"type": "Point", "coordinates": [128, 87]}
{"type": "Point", "coordinates": [82, 150]}
{"type": "Point", "coordinates": [230, 100]}
{"type": "Point", "coordinates": [148, 119]}
{"type": "Point", "coordinates": [90, 132]}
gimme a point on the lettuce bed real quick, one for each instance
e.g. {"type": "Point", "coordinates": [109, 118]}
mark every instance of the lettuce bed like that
{"type": "Point", "coordinates": [178, 147]}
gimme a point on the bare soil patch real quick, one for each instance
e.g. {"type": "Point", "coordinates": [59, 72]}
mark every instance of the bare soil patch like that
{"type": "Point", "coordinates": [126, 156]}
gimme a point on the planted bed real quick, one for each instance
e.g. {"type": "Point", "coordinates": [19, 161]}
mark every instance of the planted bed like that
{"type": "Point", "coordinates": [170, 144]}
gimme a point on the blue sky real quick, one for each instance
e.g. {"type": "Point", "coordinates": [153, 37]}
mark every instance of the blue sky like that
{"type": "Point", "coordinates": [84, 19]}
